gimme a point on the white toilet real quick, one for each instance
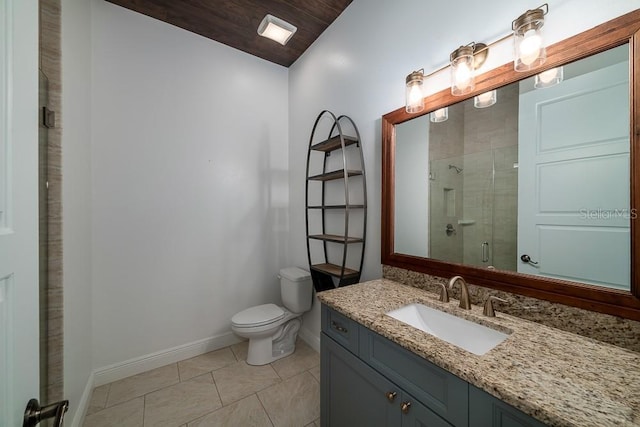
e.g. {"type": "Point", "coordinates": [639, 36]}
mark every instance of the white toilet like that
{"type": "Point", "coordinates": [272, 330]}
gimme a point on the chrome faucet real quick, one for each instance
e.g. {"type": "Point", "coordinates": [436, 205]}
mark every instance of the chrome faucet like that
{"type": "Point", "coordinates": [464, 292]}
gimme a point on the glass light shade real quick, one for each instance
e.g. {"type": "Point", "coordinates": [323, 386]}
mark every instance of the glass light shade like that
{"type": "Point", "coordinates": [462, 71]}
{"type": "Point", "coordinates": [549, 78]}
{"type": "Point", "coordinates": [440, 115]}
{"type": "Point", "coordinates": [276, 29]}
{"type": "Point", "coordinates": [486, 99]}
{"type": "Point", "coordinates": [528, 41]}
{"type": "Point", "coordinates": [413, 93]}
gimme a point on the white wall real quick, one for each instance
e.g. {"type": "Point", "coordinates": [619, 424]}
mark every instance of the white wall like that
{"type": "Point", "coordinates": [76, 198]}
{"type": "Point", "coordinates": [190, 184]}
{"type": "Point", "coordinates": [359, 64]}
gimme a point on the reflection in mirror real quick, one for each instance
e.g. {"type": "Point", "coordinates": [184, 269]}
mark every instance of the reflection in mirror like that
{"type": "Point", "coordinates": [536, 183]}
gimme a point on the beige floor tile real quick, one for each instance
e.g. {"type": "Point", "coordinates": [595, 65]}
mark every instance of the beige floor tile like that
{"type": "Point", "coordinates": [316, 423]}
{"type": "Point", "coordinates": [240, 380]}
{"type": "Point", "coordinates": [294, 402]}
{"type": "Point", "coordinates": [247, 412]}
{"type": "Point", "coordinates": [240, 350]}
{"type": "Point", "coordinates": [98, 399]}
{"type": "Point", "coordinates": [128, 414]}
{"type": "Point", "coordinates": [141, 384]}
{"type": "Point", "coordinates": [315, 371]}
{"type": "Point", "coordinates": [180, 403]}
{"type": "Point", "coordinates": [205, 363]}
{"type": "Point", "coordinates": [304, 358]}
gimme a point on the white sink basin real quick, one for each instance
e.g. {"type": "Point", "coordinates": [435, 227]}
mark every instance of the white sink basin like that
{"type": "Point", "coordinates": [471, 336]}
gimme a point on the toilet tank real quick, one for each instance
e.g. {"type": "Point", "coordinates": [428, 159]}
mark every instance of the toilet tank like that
{"type": "Point", "coordinates": [296, 289]}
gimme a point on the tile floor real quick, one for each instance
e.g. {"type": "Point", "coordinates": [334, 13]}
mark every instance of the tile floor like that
{"type": "Point", "coordinates": [215, 389]}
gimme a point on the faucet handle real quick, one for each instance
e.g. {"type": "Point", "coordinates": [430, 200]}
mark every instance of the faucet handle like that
{"type": "Point", "coordinates": [444, 293]}
{"type": "Point", "coordinates": [488, 305]}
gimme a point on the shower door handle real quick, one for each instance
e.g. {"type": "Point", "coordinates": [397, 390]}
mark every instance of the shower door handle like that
{"type": "Point", "coordinates": [485, 251]}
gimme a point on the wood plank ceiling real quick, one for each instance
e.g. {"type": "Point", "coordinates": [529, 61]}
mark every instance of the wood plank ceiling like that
{"type": "Point", "coordinates": [235, 22]}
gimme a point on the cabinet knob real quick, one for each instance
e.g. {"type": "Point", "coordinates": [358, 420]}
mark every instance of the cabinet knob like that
{"type": "Point", "coordinates": [391, 396]}
{"type": "Point", "coordinates": [405, 407]}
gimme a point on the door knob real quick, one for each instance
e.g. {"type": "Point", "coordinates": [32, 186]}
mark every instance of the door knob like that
{"type": "Point", "coordinates": [34, 413]}
{"type": "Point", "coordinates": [405, 407]}
{"type": "Point", "coordinates": [526, 258]}
{"type": "Point", "coordinates": [391, 396]}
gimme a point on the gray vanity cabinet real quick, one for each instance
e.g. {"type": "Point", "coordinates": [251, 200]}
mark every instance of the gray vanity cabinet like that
{"type": "Point", "coordinates": [353, 394]}
{"type": "Point", "coordinates": [368, 380]}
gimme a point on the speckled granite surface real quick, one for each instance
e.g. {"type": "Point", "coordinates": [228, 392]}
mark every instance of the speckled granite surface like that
{"type": "Point", "coordinates": [560, 378]}
{"type": "Point", "coordinates": [602, 327]}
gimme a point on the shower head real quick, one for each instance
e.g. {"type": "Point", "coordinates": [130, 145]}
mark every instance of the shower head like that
{"type": "Point", "coordinates": [458, 170]}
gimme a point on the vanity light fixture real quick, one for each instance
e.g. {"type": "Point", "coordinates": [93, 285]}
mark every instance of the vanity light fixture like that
{"type": "Point", "coordinates": [549, 78]}
{"type": "Point", "coordinates": [276, 29]}
{"type": "Point", "coordinates": [529, 49]}
{"type": "Point", "coordinates": [413, 92]}
{"type": "Point", "coordinates": [439, 115]}
{"type": "Point", "coordinates": [486, 99]}
{"type": "Point", "coordinates": [464, 61]}
{"type": "Point", "coordinates": [528, 43]}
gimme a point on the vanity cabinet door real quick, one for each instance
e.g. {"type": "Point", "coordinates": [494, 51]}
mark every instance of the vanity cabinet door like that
{"type": "Point", "coordinates": [352, 394]}
{"type": "Point", "coordinates": [441, 391]}
{"type": "Point", "coordinates": [487, 411]}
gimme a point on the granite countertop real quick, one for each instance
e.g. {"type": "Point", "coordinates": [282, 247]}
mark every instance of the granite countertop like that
{"type": "Point", "coordinates": [559, 378]}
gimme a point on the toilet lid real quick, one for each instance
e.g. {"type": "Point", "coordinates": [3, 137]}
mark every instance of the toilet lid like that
{"type": "Point", "coordinates": [258, 315]}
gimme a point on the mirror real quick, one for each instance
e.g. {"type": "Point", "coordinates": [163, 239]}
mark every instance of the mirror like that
{"type": "Point", "coordinates": [534, 194]}
{"type": "Point", "coordinates": [534, 181]}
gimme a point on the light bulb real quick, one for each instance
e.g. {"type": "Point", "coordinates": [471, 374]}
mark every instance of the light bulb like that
{"type": "Point", "coordinates": [486, 99]}
{"type": "Point", "coordinates": [415, 94]}
{"type": "Point", "coordinates": [463, 75]}
{"type": "Point", "coordinates": [530, 47]}
{"type": "Point", "coordinates": [440, 115]}
{"type": "Point", "coordinates": [548, 76]}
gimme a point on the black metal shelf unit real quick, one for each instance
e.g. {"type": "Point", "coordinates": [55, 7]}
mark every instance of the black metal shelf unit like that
{"type": "Point", "coordinates": [326, 274]}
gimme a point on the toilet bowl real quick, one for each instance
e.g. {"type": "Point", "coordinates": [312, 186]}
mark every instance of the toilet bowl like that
{"type": "Point", "coordinates": [271, 329]}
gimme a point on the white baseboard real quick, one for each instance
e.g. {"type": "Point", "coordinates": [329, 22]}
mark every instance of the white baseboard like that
{"type": "Point", "coordinates": [83, 404]}
{"type": "Point", "coordinates": [310, 338]}
{"type": "Point", "coordinates": [145, 363]}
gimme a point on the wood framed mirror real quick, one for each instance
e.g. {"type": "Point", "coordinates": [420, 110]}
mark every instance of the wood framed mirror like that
{"type": "Point", "coordinates": [622, 33]}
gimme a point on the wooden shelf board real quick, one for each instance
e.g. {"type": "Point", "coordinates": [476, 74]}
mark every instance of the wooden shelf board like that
{"type": "Point", "coordinates": [335, 238]}
{"type": "Point", "coordinates": [333, 144]}
{"type": "Point", "coordinates": [335, 270]}
{"type": "Point", "coordinates": [339, 174]}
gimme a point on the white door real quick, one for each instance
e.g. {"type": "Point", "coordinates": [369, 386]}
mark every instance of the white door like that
{"type": "Point", "coordinates": [19, 358]}
{"type": "Point", "coordinates": [573, 178]}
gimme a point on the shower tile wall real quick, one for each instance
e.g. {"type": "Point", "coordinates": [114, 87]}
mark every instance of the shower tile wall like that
{"type": "Point", "coordinates": [491, 136]}
{"type": "Point", "coordinates": [446, 191]}
{"type": "Point", "coordinates": [483, 143]}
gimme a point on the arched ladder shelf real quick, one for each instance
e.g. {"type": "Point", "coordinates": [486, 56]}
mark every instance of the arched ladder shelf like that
{"type": "Point", "coordinates": [337, 216]}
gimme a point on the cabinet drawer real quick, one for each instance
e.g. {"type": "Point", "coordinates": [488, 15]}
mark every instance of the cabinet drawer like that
{"type": "Point", "coordinates": [442, 392]}
{"type": "Point", "coordinates": [487, 411]}
{"type": "Point", "coordinates": [339, 327]}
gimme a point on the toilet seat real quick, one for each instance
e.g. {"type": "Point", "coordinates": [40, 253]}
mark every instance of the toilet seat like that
{"type": "Point", "coordinates": [260, 315]}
